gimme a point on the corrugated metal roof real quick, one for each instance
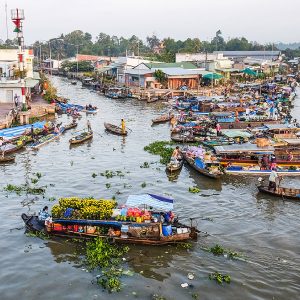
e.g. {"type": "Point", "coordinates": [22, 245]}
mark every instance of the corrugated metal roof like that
{"type": "Point", "coordinates": [249, 53]}
{"type": "Point", "coordinates": [181, 71]}
{"type": "Point", "coordinates": [183, 65]}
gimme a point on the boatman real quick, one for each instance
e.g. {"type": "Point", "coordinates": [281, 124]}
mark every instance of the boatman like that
{"type": "Point", "coordinates": [89, 127]}
{"type": "Point", "coordinates": [272, 180]}
{"type": "Point", "coordinates": [123, 126]}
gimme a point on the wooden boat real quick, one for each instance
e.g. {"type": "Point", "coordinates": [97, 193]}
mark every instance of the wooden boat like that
{"type": "Point", "coordinates": [204, 171]}
{"type": "Point", "coordinates": [181, 138]}
{"type": "Point", "coordinates": [70, 126]}
{"type": "Point", "coordinates": [162, 119]}
{"type": "Point", "coordinates": [114, 129]}
{"type": "Point", "coordinates": [126, 228]}
{"type": "Point", "coordinates": [5, 159]}
{"type": "Point", "coordinates": [46, 139]}
{"type": "Point", "coordinates": [246, 161]}
{"type": "Point", "coordinates": [171, 167]}
{"type": "Point", "coordinates": [80, 138]}
{"type": "Point", "coordinates": [66, 230]}
{"type": "Point", "coordinates": [11, 148]}
{"type": "Point", "coordinates": [282, 192]}
{"type": "Point", "coordinates": [255, 171]}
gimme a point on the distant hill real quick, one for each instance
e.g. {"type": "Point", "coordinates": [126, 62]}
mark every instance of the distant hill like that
{"type": "Point", "coordinates": [293, 46]}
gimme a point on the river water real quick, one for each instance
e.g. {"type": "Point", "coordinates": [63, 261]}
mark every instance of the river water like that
{"type": "Point", "coordinates": [265, 230]}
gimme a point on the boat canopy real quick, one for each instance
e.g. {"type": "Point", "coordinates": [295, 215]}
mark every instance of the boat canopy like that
{"type": "Point", "coordinates": [157, 202]}
{"type": "Point", "coordinates": [19, 130]}
{"type": "Point", "coordinates": [246, 147]}
{"type": "Point", "coordinates": [233, 133]}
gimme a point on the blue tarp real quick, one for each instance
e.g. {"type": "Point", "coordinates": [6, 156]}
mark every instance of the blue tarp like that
{"type": "Point", "coordinates": [65, 106]}
{"type": "Point", "coordinates": [19, 130]}
{"type": "Point", "coordinates": [199, 163]}
{"type": "Point", "coordinates": [155, 201]}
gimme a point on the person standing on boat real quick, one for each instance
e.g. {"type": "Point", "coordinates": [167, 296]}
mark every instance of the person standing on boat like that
{"type": "Point", "coordinates": [123, 126]}
{"type": "Point", "coordinates": [89, 127]}
{"type": "Point", "coordinates": [218, 129]}
{"type": "Point", "coordinates": [272, 180]}
{"type": "Point", "coordinates": [32, 131]}
{"type": "Point", "coordinates": [290, 156]}
{"type": "Point", "coordinates": [177, 153]}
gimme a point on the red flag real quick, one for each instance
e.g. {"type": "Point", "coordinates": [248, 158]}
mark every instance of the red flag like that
{"type": "Point", "coordinates": [17, 22]}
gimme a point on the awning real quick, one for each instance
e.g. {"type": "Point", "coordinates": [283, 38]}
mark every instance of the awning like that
{"type": "Point", "coordinates": [36, 75]}
{"type": "Point", "coordinates": [233, 133]}
{"type": "Point", "coordinates": [31, 83]}
{"type": "Point", "coordinates": [249, 72]}
{"type": "Point", "coordinates": [154, 201]}
{"type": "Point", "coordinates": [213, 76]}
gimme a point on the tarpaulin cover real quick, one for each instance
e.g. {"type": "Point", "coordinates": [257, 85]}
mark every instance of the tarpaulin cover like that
{"type": "Point", "coordinates": [155, 201]}
{"type": "Point", "coordinates": [19, 130]}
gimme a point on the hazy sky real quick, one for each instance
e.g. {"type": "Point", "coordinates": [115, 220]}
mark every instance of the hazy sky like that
{"type": "Point", "coordinates": [258, 20]}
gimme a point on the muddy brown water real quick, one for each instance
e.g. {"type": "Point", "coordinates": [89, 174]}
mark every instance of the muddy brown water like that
{"type": "Point", "coordinates": [264, 229]}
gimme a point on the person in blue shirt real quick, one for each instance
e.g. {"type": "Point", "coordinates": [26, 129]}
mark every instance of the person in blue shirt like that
{"type": "Point", "coordinates": [44, 214]}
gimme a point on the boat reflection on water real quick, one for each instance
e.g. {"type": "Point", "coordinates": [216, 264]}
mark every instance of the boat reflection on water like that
{"type": "Point", "coordinates": [149, 262]}
{"type": "Point", "coordinates": [153, 262]}
{"type": "Point", "coordinates": [65, 251]}
{"type": "Point", "coordinates": [205, 183]}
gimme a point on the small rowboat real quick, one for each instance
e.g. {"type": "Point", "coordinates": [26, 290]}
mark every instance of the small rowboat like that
{"type": "Point", "coordinates": [73, 82]}
{"type": "Point", "coordinates": [90, 111]}
{"type": "Point", "coordinates": [80, 138]}
{"type": "Point", "coordinates": [5, 159]}
{"type": "Point", "coordinates": [114, 129]}
{"type": "Point", "coordinates": [204, 171]}
{"type": "Point", "coordinates": [71, 125]}
{"type": "Point", "coordinates": [282, 192]}
{"type": "Point", "coordinates": [162, 119]}
{"type": "Point", "coordinates": [171, 167]}
{"type": "Point", "coordinates": [181, 138]}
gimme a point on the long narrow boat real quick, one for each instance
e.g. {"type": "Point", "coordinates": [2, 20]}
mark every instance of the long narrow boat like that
{"type": "Point", "coordinates": [70, 126]}
{"type": "Point", "coordinates": [46, 139]}
{"type": "Point", "coordinates": [5, 159]}
{"type": "Point", "coordinates": [80, 138]}
{"type": "Point", "coordinates": [180, 138]}
{"type": "Point", "coordinates": [250, 170]}
{"type": "Point", "coordinates": [126, 229]}
{"type": "Point", "coordinates": [114, 129]}
{"type": "Point", "coordinates": [161, 119]}
{"type": "Point", "coordinates": [200, 169]}
{"type": "Point", "coordinates": [282, 192]}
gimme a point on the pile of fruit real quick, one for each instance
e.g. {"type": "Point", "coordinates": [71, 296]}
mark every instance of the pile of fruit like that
{"type": "Point", "coordinates": [83, 208]}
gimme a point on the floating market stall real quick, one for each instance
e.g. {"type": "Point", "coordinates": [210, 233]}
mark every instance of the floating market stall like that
{"type": "Point", "coordinates": [144, 219]}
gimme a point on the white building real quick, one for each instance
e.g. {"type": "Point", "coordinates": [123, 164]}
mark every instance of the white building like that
{"type": "Point", "coordinates": [10, 83]}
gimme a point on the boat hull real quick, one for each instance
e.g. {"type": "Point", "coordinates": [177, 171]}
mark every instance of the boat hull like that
{"type": "Point", "coordinates": [33, 224]}
{"type": "Point", "coordinates": [285, 193]}
{"type": "Point", "coordinates": [204, 172]}
{"type": "Point", "coordinates": [73, 141]}
{"type": "Point", "coordinates": [114, 129]}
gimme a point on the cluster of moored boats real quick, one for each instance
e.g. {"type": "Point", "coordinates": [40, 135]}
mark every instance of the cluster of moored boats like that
{"type": "Point", "coordinates": [249, 131]}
